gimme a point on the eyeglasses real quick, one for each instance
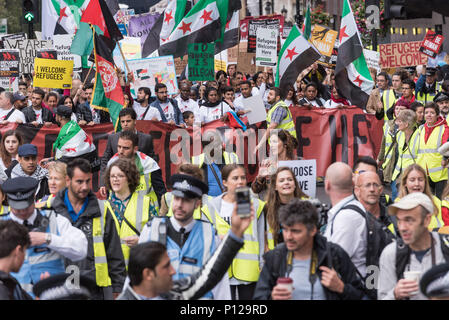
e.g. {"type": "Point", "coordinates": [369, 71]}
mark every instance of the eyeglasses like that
{"type": "Point", "coordinates": [118, 177]}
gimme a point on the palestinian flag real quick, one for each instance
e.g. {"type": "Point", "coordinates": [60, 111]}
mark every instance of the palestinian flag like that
{"type": "Point", "coordinates": [173, 14]}
{"type": "Point", "coordinates": [72, 141]}
{"type": "Point", "coordinates": [204, 23]}
{"type": "Point", "coordinates": [98, 14]}
{"type": "Point", "coordinates": [352, 76]}
{"type": "Point", "coordinates": [307, 25]}
{"type": "Point", "coordinates": [296, 55]}
{"type": "Point", "coordinates": [61, 16]}
{"type": "Point", "coordinates": [107, 94]}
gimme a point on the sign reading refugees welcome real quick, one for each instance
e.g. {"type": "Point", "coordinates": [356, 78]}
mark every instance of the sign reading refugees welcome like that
{"type": "Point", "coordinates": [402, 54]}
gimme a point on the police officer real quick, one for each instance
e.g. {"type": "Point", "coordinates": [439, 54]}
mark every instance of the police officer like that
{"type": "Point", "coordinates": [425, 92]}
{"type": "Point", "coordinates": [442, 100]}
{"type": "Point", "coordinates": [52, 236]}
{"type": "Point", "coordinates": [190, 242]}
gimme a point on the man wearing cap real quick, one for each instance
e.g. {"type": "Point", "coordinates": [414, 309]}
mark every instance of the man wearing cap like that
{"type": "Point", "coordinates": [37, 114]}
{"type": "Point", "coordinates": [20, 101]}
{"type": "Point", "coordinates": [28, 167]}
{"type": "Point", "coordinates": [427, 86]}
{"type": "Point", "coordinates": [53, 238]}
{"type": "Point", "coordinates": [442, 100]}
{"type": "Point", "coordinates": [7, 111]}
{"type": "Point", "coordinates": [72, 141]}
{"type": "Point", "coordinates": [417, 250]}
{"type": "Point", "coordinates": [189, 242]}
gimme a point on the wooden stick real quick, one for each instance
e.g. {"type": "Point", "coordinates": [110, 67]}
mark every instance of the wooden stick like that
{"type": "Point", "coordinates": [123, 56]}
{"type": "Point", "coordinates": [87, 75]}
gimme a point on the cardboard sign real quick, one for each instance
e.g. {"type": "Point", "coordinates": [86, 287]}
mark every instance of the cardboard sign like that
{"type": "Point", "coordinates": [323, 39]}
{"type": "Point", "coordinates": [431, 44]}
{"type": "Point", "coordinates": [201, 61]}
{"type": "Point", "coordinates": [9, 63]}
{"type": "Point", "coordinates": [149, 71]}
{"type": "Point", "coordinates": [28, 51]}
{"type": "Point", "coordinates": [305, 174]}
{"type": "Point", "coordinates": [53, 73]}
{"type": "Point", "coordinates": [181, 64]}
{"type": "Point", "coordinates": [402, 54]}
{"type": "Point", "coordinates": [47, 54]}
{"type": "Point", "coordinates": [372, 59]}
{"type": "Point", "coordinates": [266, 47]}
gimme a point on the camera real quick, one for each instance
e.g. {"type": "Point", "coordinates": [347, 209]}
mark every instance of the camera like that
{"type": "Point", "coordinates": [322, 210]}
{"type": "Point", "coordinates": [243, 202]}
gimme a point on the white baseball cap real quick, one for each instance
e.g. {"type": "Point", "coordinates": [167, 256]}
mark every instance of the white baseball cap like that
{"type": "Point", "coordinates": [411, 201]}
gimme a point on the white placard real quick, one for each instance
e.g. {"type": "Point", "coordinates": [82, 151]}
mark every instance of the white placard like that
{"type": "Point", "coordinates": [372, 59]}
{"type": "Point", "coordinates": [258, 112]}
{"type": "Point", "coordinates": [305, 173]}
{"type": "Point", "coordinates": [266, 47]}
{"type": "Point", "coordinates": [62, 43]}
{"type": "Point", "coordinates": [28, 51]}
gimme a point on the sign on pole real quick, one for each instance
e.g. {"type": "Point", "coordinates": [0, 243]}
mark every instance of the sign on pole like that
{"type": "Point", "coordinates": [266, 47]}
{"type": "Point", "coordinates": [9, 69]}
{"type": "Point", "coordinates": [50, 73]}
{"type": "Point", "coordinates": [431, 44]}
{"type": "Point", "coordinates": [323, 38]}
{"type": "Point", "coordinates": [305, 173]}
{"type": "Point", "coordinates": [201, 61]}
{"type": "Point", "coordinates": [402, 54]}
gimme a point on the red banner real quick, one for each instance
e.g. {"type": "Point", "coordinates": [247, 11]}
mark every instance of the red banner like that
{"type": "Point", "coordinates": [327, 135]}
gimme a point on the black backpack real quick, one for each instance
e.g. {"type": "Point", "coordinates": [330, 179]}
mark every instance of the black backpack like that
{"type": "Point", "coordinates": [403, 254]}
{"type": "Point", "coordinates": [378, 235]}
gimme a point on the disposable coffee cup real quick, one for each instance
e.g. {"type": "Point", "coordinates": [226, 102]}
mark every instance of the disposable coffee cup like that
{"type": "Point", "coordinates": [286, 283]}
{"type": "Point", "coordinates": [412, 275]}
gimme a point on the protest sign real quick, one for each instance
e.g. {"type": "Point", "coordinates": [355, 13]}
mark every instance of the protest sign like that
{"type": "Point", "coordinates": [323, 38]}
{"type": "Point", "coordinates": [201, 61]}
{"type": "Point", "coordinates": [256, 105]}
{"type": "Point", "coordinates": [53, 73]}
{"type": "Point", "coordinates": [252, 31]}
{"type": "Point", "coordinates": [10, 84]}
{"type": "Point", "coordinates": [62, 43]}
{"type": "Point", "coordinates": [431, 44]}
{"type": "Point", "coordinates": [149, 71]}
{"type": "Point", "coordinates": [305, 174]}
{"type": "Point", "coordinates": [28, 51]}
{"type": "Point", "coordinates": [266, 47]}
{"type": "Point", "coordinates": [9, 63]}
{"type": "Point", "coordinates": [372, 59]}
{"type": "Point", "coordinates": [47, 54]}
{"type": "Point", "coordinates": [244, 24]}
{"type": "Point", "coordinates": [15, 36]}
{"type": "Point", "coordinates": [122, 29]}
{"type": "Point", "coordinates": [131, 48]}
{"type": "Point", "coordinates": [221, 60]}
{"type": "Point", "coordinates": [180, 64]}
{"type": "Point", "coordinates": [140, 25]}
{"type": "Point", "coordinates": [402, 54]}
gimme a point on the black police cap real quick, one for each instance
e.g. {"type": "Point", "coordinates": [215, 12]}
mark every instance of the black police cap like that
{"type": "Point", "coordinates": [441, 96]}
{"type": "Point", "coordinates": [435, 282]}
{"type": "Point", "coordinates": [20, 191]}
{"type": "Point", "coordinates": [186, 186]}
{"type": "Point", "coordinates": [430, 71]}
{"type": "Point", "coordinates": [59, 287]}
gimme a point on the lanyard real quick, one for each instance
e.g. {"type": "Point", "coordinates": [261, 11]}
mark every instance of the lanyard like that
{"type": "Point", "coordinates": [312, 271]}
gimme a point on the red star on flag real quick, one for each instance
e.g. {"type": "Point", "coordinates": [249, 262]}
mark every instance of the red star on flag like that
{"type": "Point", "coordinates": [358, 80]}
{"type": "Point", "coordinates": [70, 149]}
{"type": "Point", "coordinates": [342, 34]}
{"type": "Point", "coordinates": [227, 25]}
{"type": "Point", "coordinates": [168, 17]}
{"type": "Point", "coordinates": [291, 53]}
{"type": "Point", "coordinates": [88, 140]}
{"type": "Point", "coordinates": [185, 27]}
{"type": "Point", "coordinates": [62, 14]}
{"type": "Point", "coordinates": [206, 16]}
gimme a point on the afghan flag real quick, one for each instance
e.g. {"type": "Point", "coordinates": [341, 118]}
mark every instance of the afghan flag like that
{"type": "Point", "coordinates": [163, 27]}
{"type": "Point", "coordinates": [99, 15]}
{"type": "Point", "coordinates": [204, 23]}
{"type": "Point", "coordinates": [307, 25]}
{"type": "Point", "coordinates": [296, 55]}
{"type": "Point", "coordinates": [72, 142]}
{"type": "Point", "coordinates": [352, 76]}
{"type": "Point", "coordinates": [107, 94]}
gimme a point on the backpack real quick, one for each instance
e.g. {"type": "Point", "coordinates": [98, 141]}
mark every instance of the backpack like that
{"type": "Point", "coordinates": [403, 254]}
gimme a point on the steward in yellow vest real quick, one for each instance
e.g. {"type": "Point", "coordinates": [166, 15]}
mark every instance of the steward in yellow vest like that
{"type": "Point", "coordinates": [407, 152]}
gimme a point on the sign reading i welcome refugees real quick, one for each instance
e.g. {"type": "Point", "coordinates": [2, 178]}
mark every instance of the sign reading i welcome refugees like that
{"type": "Point", "coordinates": [49, 73]}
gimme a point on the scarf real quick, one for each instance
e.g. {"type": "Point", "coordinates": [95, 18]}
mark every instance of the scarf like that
{"type": "Point", "coordinates": [342, 101]}
{"type": "Point", "coordinates": [39, 174]}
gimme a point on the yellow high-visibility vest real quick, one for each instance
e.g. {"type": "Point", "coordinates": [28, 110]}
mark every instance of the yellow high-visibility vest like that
{"type": "Point", "coordinates": [408, 156]}
{"type": "Point", "coordinates": [287, 123]}
{"type": "Point", "coordinates": [101, 263]}
{"type": "Point", "coordinates": [428, 156]}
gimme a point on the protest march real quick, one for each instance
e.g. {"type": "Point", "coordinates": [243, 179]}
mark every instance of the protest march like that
{"type": "Point", "coordinates": [194, 150]}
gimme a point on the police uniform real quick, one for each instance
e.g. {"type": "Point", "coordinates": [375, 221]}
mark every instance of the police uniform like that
{"type": "Point", "coordinates": [442, 96]}
{"type": "Point", "coordinates": [427, 94]}
{"type": "Point", "coordinates": [64, 287]}
{"type": "Point", "coordinates": [189, 245]}
{"type": "Point", "coordinates": [61, 241]}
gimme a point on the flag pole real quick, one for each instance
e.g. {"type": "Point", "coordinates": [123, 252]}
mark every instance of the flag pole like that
{"type": "Point", "coordinates": [123, 56]}
{"type": "Point", "coordinates": [87, 76]}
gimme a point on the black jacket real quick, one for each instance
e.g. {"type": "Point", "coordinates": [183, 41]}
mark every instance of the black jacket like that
{"type": "Point", "coordinates": [196, 285]}
{"type": "Point", "coordinates": [10, 289]}
{"type": "Point", "coordinates": [104, 116]}
{"type": "Point", "coordinates": [276, 266]}
{"type": "Point", "coordinates": [82, 112]}
{"type": "Point", "coordinates": [111, 239]}
{"type": "Point", "coordinates": [30, 116]}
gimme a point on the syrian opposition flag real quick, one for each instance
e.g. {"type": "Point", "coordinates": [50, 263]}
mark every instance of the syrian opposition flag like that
{"type": "Point", "coordinates": [307, 25]}
{"type": "Point", "coordinates": [72, 141]}
{"type": "Point", "coordinates": [100, 16]}
{"type": "Point", "coordinates": [352, 76]}
{"type": "Point", "coordinates": [61, 17]}
{"type": "Point", "coordinates": [296, 55]}
{"type": "Point", "coordinates": [173, 14]}
{"type": "Point", "coordinates": [145, 164]}
{"type": "Point", "coordinates": [204, 23]}
{"type": "Point", "coordinates": [107, 94]}
{"type": "Point", "coordinates": [231, 33]}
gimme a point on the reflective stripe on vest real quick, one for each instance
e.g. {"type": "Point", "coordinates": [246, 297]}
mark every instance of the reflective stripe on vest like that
{"type": "Point", "coordinates": [428, 156]}
{"type": "Point", "coordinates": [200, 213]}
{"type": "Point", "coordinates": [101, 263]}
{"type": "Point", "coordinates": [229, 158]}
{"type": "Point", "coordinates": [146, 186]}
{"type": "Point", "coordinates": [136, 212]}
{"type": "Point", "coordinates": [245, 266]}
{"type": "Point", "coordinates": [428, 97]}
{"type": "Point", "coordinates": [408, 156]}
{"type": "Point", "coordinates": [388, 142]}
{"type": "Point", "coordinates": [287, 123]}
